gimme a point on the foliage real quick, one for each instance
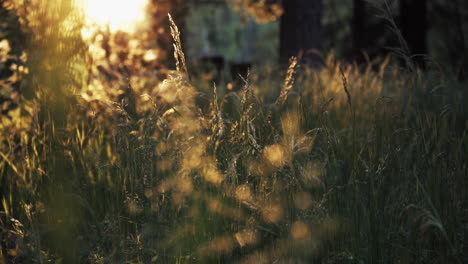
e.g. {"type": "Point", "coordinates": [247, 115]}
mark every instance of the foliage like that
{"type": "Point", "coordinates": [12, 58]}
{"type": "Point", "coordinates": [225, 31]}
{"type": "Point", "coordinates": [263, 11]}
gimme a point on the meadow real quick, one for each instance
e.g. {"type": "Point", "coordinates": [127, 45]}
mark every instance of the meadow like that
{"type": "Point", "coordinates": [112, 161]}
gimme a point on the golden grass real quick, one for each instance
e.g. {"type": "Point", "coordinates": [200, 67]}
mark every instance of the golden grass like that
{"type": "Point", "coordinates": [319, 173]}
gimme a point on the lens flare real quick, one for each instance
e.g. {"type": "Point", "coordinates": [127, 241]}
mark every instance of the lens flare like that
{"type": "Point", "coordinates": [123, 15]}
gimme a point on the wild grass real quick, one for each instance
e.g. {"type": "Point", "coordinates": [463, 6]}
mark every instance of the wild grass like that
{"type": "Point", "coordinates": [346, 164]}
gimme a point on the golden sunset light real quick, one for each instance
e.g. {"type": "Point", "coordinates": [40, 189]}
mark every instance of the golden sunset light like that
{"type": "Point", "coordinates": [124, 15]}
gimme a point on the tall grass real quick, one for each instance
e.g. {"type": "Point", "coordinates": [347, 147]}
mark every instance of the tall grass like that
{"type": "Point", "coordinates": [347, 164]}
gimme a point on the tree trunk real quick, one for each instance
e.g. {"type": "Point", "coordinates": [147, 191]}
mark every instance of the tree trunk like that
{"type": "Point", "coordinates": [359, 28]}
{"type": "Point", "coordinates": [249, 33]}
{"type": "Point", "coordinates": [301, 31]}
{"type": "Point", "coordinates": [414, 28]}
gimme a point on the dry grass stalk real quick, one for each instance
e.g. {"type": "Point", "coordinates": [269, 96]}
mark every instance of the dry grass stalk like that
{"type": "Point", "coordinates": [178, 52]}
{"type": "Point", "coordinates": [345, 86]}
{"type": "Point", "coordinates": [288, 81]}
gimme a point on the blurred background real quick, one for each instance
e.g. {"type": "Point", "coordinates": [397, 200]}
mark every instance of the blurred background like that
{"type": "Point", "coordinates": [233, 131]}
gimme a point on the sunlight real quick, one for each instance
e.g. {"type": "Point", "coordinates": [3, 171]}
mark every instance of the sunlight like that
{"type": "Point", "coordinates": [124, 15]}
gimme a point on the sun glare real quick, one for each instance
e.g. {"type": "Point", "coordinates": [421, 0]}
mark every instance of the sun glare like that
{"type": "Point", "coordinates": [125, 15]}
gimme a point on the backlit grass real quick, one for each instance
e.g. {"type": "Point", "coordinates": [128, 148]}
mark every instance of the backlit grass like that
{"type": "Point", "coordinates": [345, 164]}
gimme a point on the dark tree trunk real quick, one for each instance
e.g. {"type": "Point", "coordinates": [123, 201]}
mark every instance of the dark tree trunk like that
{"type": "Point", "coordinates": [414, 27]}
{"type": "Point", "coordinates": [359, 28]}
{"type": "Point", "coordinates": [301, 31]}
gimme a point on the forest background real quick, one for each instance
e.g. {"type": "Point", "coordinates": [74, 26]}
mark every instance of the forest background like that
{"type": "Point", "coordinates": [238, 131]}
